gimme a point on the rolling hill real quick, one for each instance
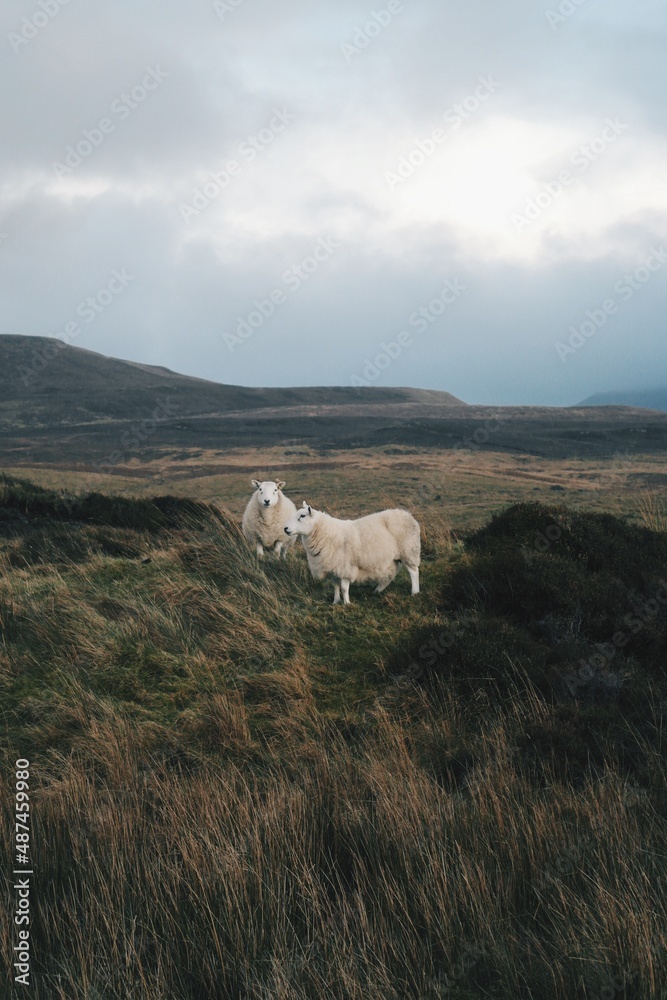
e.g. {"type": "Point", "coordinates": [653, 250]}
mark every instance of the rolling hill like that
{"type": "Point", "coordinates": [63, 405]}
{"type": "Point", "coordinates": [45, 380]}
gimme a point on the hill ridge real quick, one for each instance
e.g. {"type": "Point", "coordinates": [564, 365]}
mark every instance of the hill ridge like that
{"type": "Point", "coordinates": [62, 404]}
{"type": "Point", "coordinates": [37, 364]}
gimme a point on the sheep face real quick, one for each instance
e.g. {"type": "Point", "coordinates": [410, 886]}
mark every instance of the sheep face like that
{"type": "Point", "coordinates": [268, 493]}
{"type": "Point", "coordinates": [302, 523]}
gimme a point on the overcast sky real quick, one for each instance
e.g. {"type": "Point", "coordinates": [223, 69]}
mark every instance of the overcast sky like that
{"type": "Point", "coordinates": [283, 193]}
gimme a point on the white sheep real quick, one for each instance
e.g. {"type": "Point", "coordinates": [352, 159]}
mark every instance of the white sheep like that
{"type": "Point", "coordinates": [369, 548]}
{"type": "Point", "coordinates": [265, 517]}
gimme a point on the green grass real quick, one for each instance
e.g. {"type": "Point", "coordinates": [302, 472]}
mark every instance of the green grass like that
{"type": "Point", "coordinates": [240, 790]}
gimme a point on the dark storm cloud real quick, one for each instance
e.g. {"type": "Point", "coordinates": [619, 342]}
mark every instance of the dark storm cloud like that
{"type": "Point", "coordinates": [207, 151]}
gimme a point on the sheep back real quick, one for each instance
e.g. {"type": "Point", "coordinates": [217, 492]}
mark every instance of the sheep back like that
{"type": "Point", "coordinates": [363, 549]}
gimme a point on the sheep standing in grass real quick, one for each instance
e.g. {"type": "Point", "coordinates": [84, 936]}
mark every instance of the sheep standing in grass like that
{"type": "Point", "coordinates": [370, 548]}
{"type": "Point", "coordinates": [265, 517]}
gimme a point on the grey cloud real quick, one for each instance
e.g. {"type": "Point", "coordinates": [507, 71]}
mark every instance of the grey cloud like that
{"type": "Point", "coordinates": [191, 282]}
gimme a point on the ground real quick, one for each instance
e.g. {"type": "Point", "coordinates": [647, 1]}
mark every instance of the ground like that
{"type": "Point", "coordinates": [240, 790]}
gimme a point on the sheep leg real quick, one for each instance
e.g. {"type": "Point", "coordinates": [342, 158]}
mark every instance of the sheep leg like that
{"type": "Point", "coordinates": [345, 588]}
{"type": "Point", "coordinates": [414, 579]}
{"type": "Point", "coordinates": [278, 548]}
{"type": "Point", "coordinates": [336, 592]}
{"type": "Point", "coordinates": [382, 585]}
{"type": "Point", "coordinates": [259, 550]}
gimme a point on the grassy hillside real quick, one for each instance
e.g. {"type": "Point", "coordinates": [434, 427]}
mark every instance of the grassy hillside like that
{"type": "Point", "coordinates": [240, 790]}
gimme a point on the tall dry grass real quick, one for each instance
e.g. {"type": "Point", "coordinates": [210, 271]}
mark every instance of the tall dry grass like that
{"type": "Point", "coordinates": [653, 511]}
{"type": "Point", "coordinates": [336, 870]}
{"type": "Point", "coordinates": [233, 798]}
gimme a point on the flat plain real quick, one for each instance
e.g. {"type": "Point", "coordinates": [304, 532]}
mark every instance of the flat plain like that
{"type": "Point", "coordinates": [464, 486]}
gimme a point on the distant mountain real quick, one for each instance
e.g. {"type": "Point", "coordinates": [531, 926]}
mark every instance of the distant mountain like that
{"type": "Point", "coordinates": [649, 399]}
{"type": "Point", "coordinates": [72, 408]}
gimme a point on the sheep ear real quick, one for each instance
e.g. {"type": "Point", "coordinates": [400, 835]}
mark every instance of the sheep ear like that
{"type": "Point", "coordinates": [304, 504]}
{"type": "Point", "coordinates": [310, 510]}
{"type": "Point", "coordinates": [255, 483]}
{"type": "Point", "coordinates": [281, 485]}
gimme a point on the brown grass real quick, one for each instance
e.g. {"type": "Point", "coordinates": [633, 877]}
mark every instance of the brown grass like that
{"type": "Point", "coordinates": [653, 510]}
{"type": "Point", "coordinates": [464, 486]}
{"type": "Point", "coordinates": [232, 796]}
{"type": "Point", "coordinates": [335, 870]}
